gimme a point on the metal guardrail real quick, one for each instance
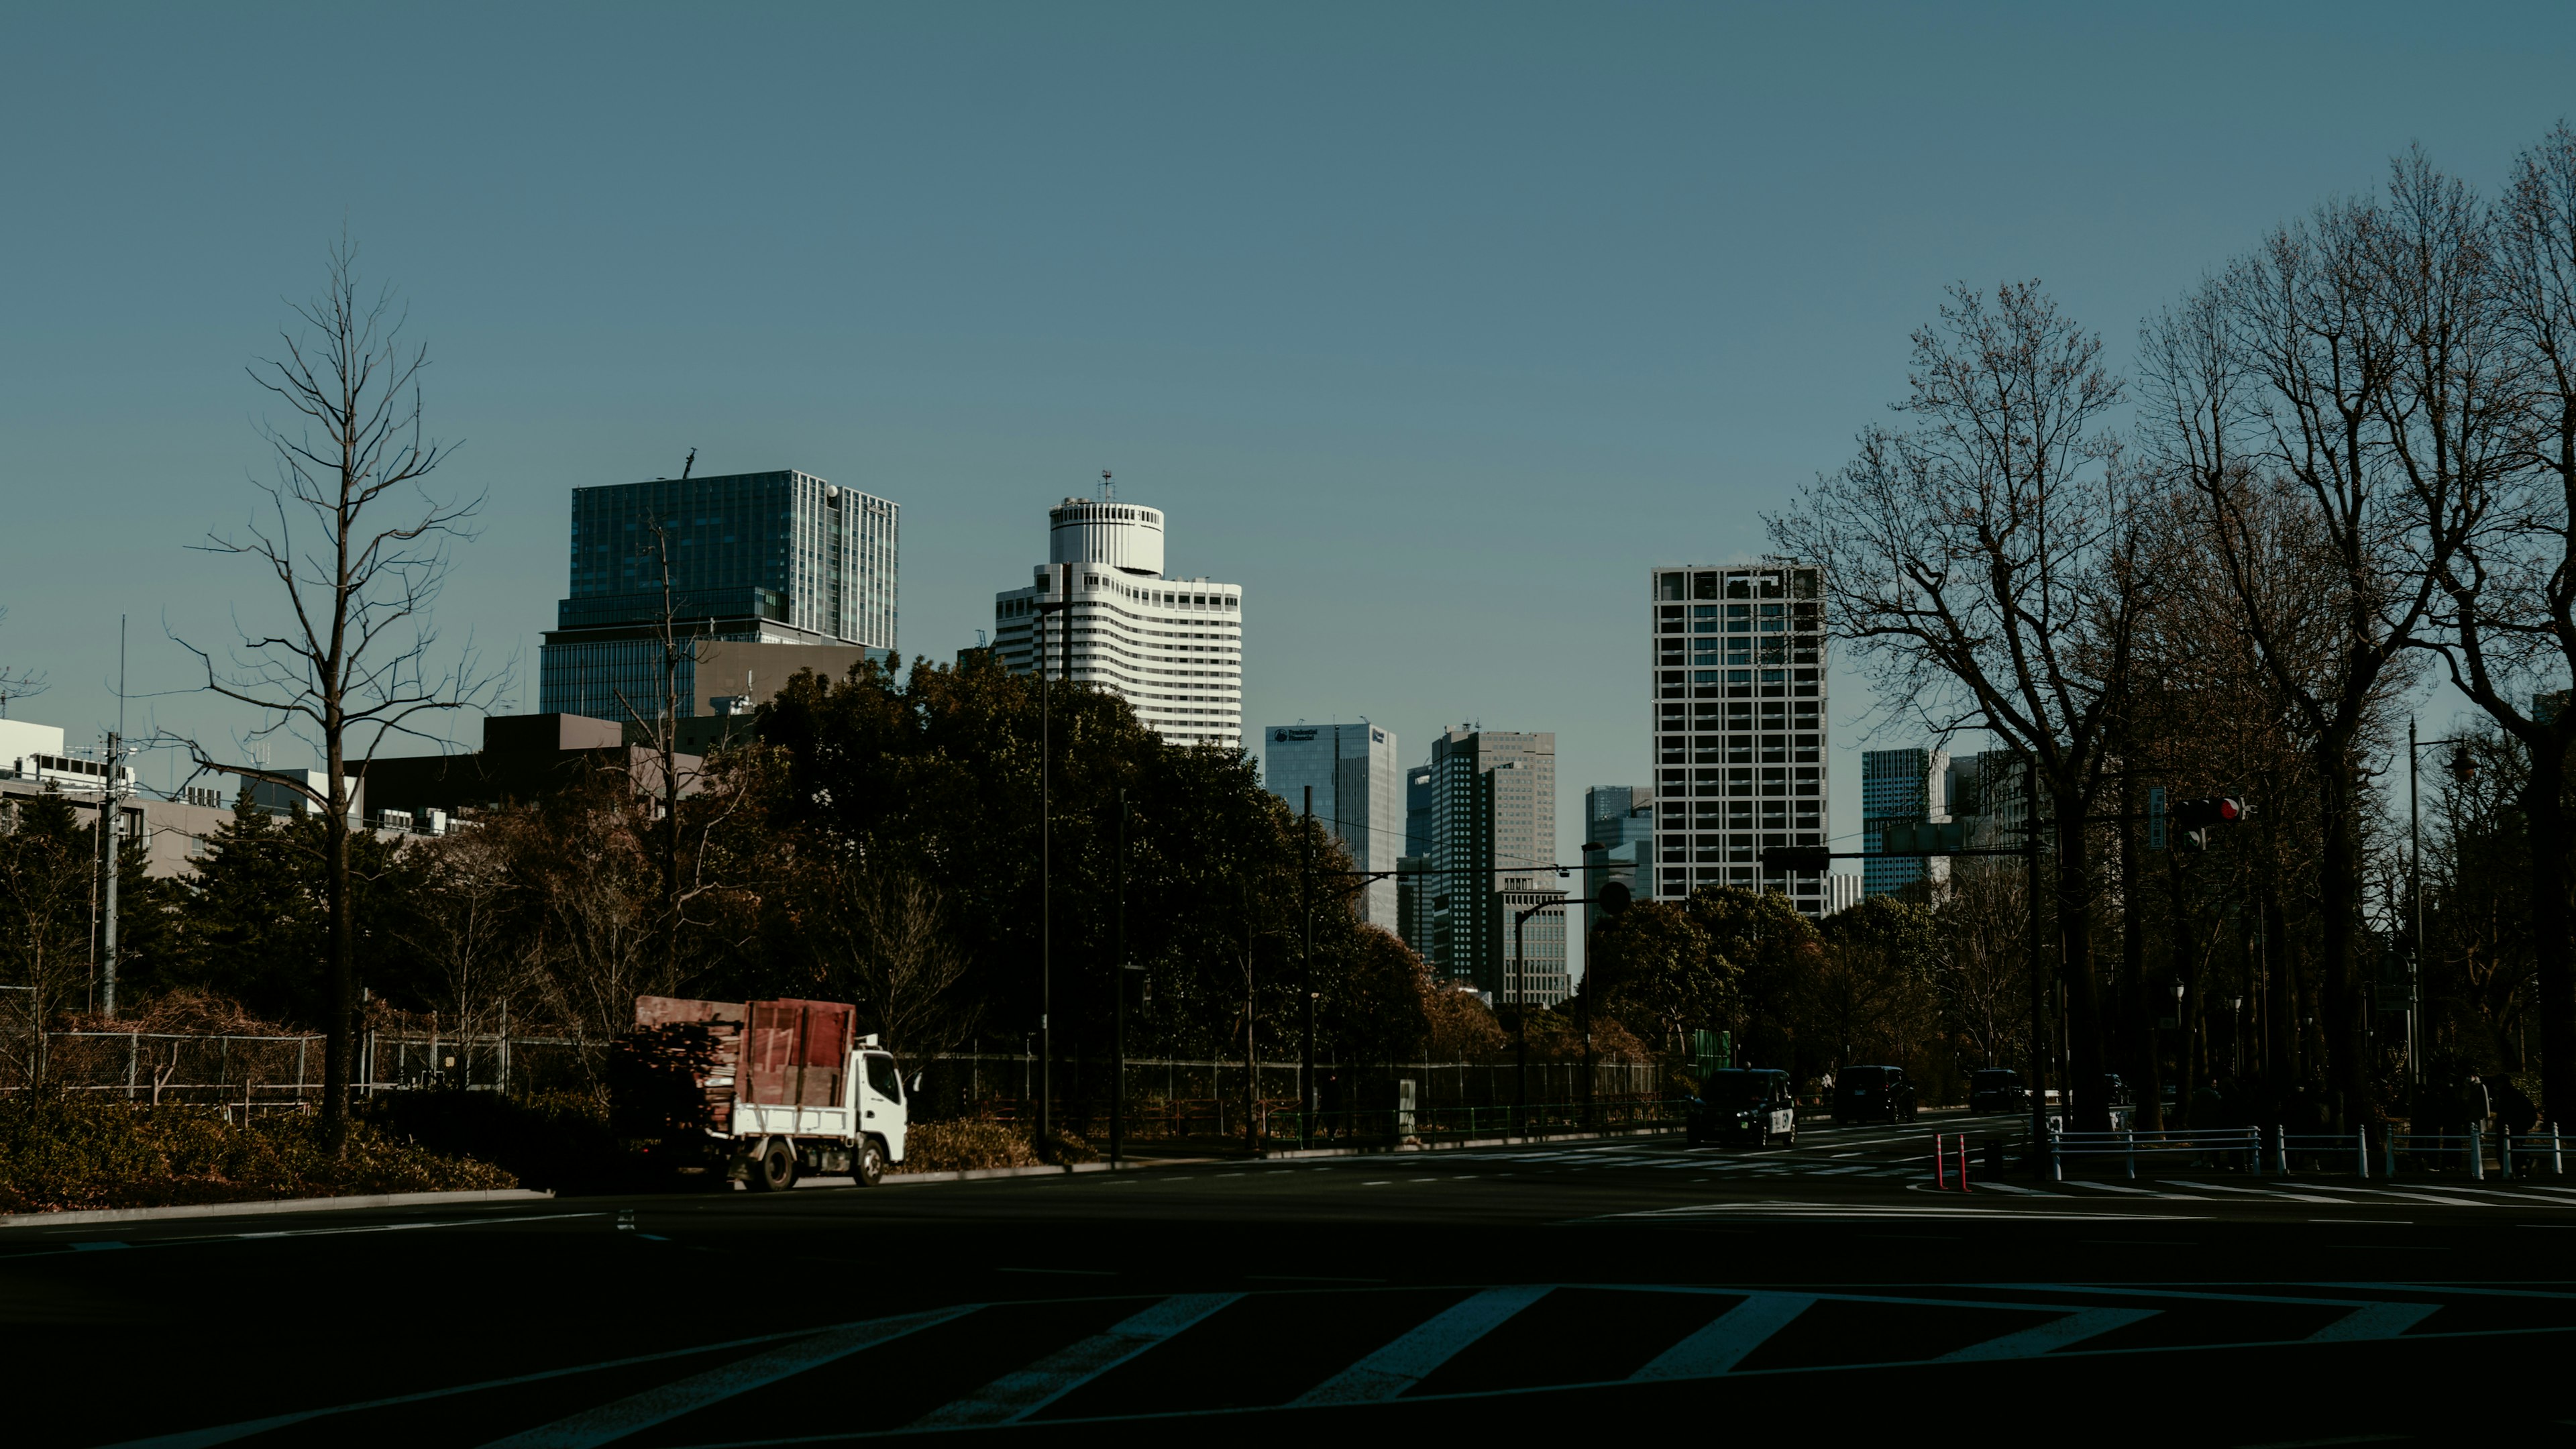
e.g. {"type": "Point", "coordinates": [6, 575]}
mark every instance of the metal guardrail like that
{"type": "Point", "coordinates": [2279, 1152]}
{"type": "Point", "coordinates": [2212, 1145]}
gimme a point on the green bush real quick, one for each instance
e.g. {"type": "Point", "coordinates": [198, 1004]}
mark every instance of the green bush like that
{"type": "Point", "coordinates": [66, 1151]}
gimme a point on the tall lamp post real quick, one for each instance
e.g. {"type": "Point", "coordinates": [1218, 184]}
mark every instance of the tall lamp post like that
{"type": "Point", "coordinates": [2464, 768]}
{"type": "Point", "coordinates": [1061, 603]}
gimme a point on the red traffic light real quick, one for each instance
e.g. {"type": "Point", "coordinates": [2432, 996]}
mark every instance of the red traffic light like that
{"type": "Point", "coordinates": [2202, 814]}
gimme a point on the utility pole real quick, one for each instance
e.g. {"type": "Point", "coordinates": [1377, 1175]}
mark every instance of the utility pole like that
{"type": "Point", "coordinates": [2415, 907]}
{"type": "Point", "coordinates": [1306, 971]}
{"type": "Point", "coordinates": [107, 833]}
{"type": "Point", "coordinates": [108, 819]}
{"type": "Point", "coordinates": [1118, 985]}
{"type": "Point", "coordinates": [2038, 978]}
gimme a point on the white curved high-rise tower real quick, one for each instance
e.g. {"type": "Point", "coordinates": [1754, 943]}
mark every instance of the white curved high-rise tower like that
{"type": "Point", "coordinates": [1172, 648]}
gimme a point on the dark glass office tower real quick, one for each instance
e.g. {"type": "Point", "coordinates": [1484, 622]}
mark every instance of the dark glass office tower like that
{"type": "Point", "coordinates": [755, 558]}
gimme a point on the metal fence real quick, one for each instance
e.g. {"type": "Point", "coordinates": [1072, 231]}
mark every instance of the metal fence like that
{"type": "Point", "coordinates": [281, 1072]}
{"type": "Point", "coordinates": [1176, 1098]}
{"type": "Point", "coordinates": [1181, 1099]}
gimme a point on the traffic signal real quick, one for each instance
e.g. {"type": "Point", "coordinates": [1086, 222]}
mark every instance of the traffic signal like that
{"type": "Point", "coordinates": [1929, 838]}
{"type": "Point", "coordinates": [1797, 859]}
{"type": "Point", "coordinates": [2195, 817]}
{"type": "Point", "coordinates": [1612, 897]}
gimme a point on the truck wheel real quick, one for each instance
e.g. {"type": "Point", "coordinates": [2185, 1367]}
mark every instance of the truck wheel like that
{"type": "Point", "coordinates": [867, 1163]}
{"type": "Point", "coordinates": [774, 1170]}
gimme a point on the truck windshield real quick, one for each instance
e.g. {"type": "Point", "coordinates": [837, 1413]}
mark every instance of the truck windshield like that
{"type": "Point", "coordinates": [884, 1078]}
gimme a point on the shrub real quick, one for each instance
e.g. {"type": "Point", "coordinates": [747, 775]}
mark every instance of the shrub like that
{"type": "Point", "coordinates": [64, 1151]}
{"type": "Point", "coordinates": [967, 1146]}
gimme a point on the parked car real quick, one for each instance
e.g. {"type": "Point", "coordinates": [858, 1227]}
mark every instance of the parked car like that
{"type": "Point", "coordinates": [1873, 1094]}
{"type": "Point", "coordinates": [1997, 1089]}
{"type": "Point", "coordinates": [1743, 1105]}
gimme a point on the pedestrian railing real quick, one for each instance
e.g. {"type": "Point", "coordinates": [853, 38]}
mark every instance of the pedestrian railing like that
{"type": "Point", "coordinates": [1393, 1125]}
{"type": "Point", "coordinates": [2515, 1154]}
{"type": "Point", "coordinates": [2200, 1147]}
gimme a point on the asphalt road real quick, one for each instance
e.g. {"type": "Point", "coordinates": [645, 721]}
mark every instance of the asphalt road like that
{"type": "Point", "coordinates": [1632, 1285]}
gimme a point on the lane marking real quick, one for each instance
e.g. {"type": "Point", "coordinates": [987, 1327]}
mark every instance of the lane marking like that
{"type": "Point", "coordinates": [226, 1433]}
{"type": "Point", "coordinates": [613, 1421]}
{"type": "Point", "coordinates": [2032, 1342]}
{"type": "Point", "coordinates": [1412, 1358]}
{"type": "Point", "coordinates": [1016, 1395]}
{"type": "Point", "coordinates": [2375, 1320]}
{"type": "Point", "coordinates": [1725, 1341]}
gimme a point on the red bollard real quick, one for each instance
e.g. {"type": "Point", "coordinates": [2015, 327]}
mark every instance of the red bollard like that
{"type": "Point", "coordinates": [1963, 1163]}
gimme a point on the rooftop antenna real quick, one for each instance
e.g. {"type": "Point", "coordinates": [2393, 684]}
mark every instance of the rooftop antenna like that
{"type": "Point", "coordinates": [1108, 489]}
{"type": "Point", "coordinates": [686, 466]}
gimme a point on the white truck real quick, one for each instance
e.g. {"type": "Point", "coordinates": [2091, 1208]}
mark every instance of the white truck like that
{"type": "Point", "coordinates": [789, 1089]}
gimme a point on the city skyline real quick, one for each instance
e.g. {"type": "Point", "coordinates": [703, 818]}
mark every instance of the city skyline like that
{"type": "Point", "coordinates": [1304, 356]}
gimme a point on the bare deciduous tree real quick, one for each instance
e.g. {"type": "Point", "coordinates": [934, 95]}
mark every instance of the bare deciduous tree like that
{"type": "Point", "coordinates": [2512, 620]}
{"type": "Point", "coordinates": [2326, 369]}
{"type": "Point", "coordinates": [879, 933]}
{"type": "Point", "coordinates": [1984, 563]}
{"type": "Point", "coordinates": [359, 549]}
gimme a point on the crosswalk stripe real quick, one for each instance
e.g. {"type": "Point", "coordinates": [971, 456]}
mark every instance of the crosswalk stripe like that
{"type": "Point", "coordinates": [2057, 1333]}
{"type": "Point", "coordinates": [1412, 1358]}
{"type": "Point", "coordinates": [1724, 1342]}
{"type": "Point", "coordinates": [2374, 1320]}
{"type": "Point", "coordinates": [610, 1422]}
{"type": "Point", "coordinates": [1016, 1395]}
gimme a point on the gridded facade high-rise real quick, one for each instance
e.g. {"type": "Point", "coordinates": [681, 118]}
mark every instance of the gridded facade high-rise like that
{"type": "Point", "coordinates": [1901, 787]}
{"type": "Point", "coordinates": [1493, 844]}
{"type": "Point", "coordinates": [1172, 648]}
{"type": "Point", "coordinates": [780, 558]}
{"type": "Point", "coordinates": [1739, 727]}
{"type": "Point", "coordinates": [1358, 795]}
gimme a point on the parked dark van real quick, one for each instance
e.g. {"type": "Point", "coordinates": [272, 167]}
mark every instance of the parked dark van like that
{"type": "Point", "coordinates": [1997, 1089]}
{"type": "Point", "coordinates": [1743, 1105]}
{"type": "Point", "coordinates": [1873, 1094]}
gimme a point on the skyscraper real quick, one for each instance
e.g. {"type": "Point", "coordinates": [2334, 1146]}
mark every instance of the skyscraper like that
{"type": "Point", "coordinates": [1172, 648]}
{"type": "Point", "coordinates": [1415, 887]}
{"type": "Point", "coordinates": [1901, 787]}
{"type": "Point", "coordinates": [1738, 735]}
{"type": "Point", "coordinates": [1358, 796]}
{"type": "Point", "coordinates": [1494, 844]}
{"type": "Point", "coordinates": [755, 558]}
{"type": "Point", "coordinates": [1621, 820]}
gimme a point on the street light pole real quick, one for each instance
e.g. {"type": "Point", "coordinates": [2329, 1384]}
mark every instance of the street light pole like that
{"type": "Point", "coordinates": [1061, 604]}
{"type": "Point", "coordinates": [2038, 982]}
{"type": "Point", "coordinates": [1520, 1016]}
{"type": "Point", "coordinates": [1306, 969]}
{"type": "Point", "coordinates": [1118, 989]}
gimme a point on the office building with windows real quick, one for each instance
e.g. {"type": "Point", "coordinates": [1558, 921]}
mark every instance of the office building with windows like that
{"type": "Point", "coordinates": [1737, 671]}
{"type": "Point", "coordinates": [1171, 647]}
{"type": "Point", "coordinates": [1414, 887]}
{"type": "Point", "coordinates": [1493, 844]}
{"type": "Point", "coordinates": [1901, 787]}
{"type": "Point", "coordinates": [1358, 795]}
{"type": "Point", "coordinates": [781, 558]}
{"type": "Point", "coordinates": [1618, 844]}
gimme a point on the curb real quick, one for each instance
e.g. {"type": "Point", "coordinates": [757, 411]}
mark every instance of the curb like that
{"type": "Point", "coordinates": [278, 1205]}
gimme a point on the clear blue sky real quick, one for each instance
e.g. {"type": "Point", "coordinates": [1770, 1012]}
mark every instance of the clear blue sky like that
{"type": "Point", "coordinates": [1434, 326]}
